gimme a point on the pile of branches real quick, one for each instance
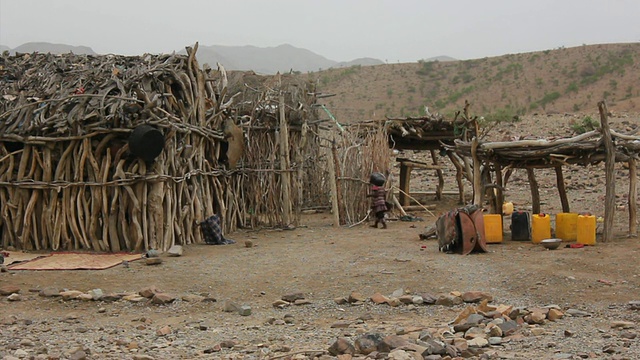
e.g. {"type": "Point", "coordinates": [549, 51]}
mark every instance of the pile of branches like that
{"type": "Point", "coordinates": [583, 149]}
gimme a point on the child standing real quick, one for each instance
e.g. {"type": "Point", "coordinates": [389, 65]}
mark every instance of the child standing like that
{"type": "Point", "coordinates": [378, 201]}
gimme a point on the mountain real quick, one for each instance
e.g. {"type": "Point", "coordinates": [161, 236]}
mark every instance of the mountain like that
{"type": "Point", "coordinates": [269, 60]}
{"type": "Point", "coordinates": [562, 80]}
{"type": "Point", "coordinates": [45, 47]}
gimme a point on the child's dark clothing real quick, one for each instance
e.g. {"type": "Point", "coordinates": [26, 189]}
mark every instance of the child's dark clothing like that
{"type": "Point", "coordinates": [378, 204]}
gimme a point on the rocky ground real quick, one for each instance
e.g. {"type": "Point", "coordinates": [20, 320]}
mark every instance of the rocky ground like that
{"type": "Point", "coordinates": [322, 292]}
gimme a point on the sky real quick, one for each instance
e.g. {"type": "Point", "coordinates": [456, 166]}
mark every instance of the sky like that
{"type": "Point", "coordinates": [340, 30]}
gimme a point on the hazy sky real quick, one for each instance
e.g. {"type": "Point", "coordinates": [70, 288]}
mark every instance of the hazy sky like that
{"type": "Point", "coordinates": [341, 30]}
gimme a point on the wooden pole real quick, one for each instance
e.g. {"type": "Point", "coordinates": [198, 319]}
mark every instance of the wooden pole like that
{"type": "Point", "coordinates": [500, 189]}
{"type": "Point", "coordinates": [405, 183]}
{"type": "Point", "coordinates": [459, 175]}
{"type": "Point", "coordinates": [610, 193]}
{"type": "Point", "coordinates": [338, 172]}
{"type": "Point", "coordinates": [633, 198]}
{"type": "Point", "coordinates": [477, 181]}
{"type": "Point", "coordinates": [535, 194]}
{"type": "Point", "coordinates": [284, 165]}
{"type": "Point", "coordinates": [334, 188]}
{"type": "Point", "coordinates": [440, 175]}
{"type": "Point", "coordinates": [562, 190]}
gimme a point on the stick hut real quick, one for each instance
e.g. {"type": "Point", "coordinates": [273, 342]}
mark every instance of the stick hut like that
{"type": "Point", "coordinates": [78, 173]}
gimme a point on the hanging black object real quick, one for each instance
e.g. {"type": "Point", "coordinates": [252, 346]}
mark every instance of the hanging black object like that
{"type": "Point", "coordinates": [377, 179]}
{"type": "Point", "coordinates": [146, 142]}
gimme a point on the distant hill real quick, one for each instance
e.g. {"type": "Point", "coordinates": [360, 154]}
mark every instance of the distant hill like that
{"type": "Point", "coordinates": [44, 47]}
{"type": "Point", "coordinates": [441, 58]}
{"type": "Point", "coordinates": [269, 60]}
{"type": "Point", "coordinates": [562, 80]}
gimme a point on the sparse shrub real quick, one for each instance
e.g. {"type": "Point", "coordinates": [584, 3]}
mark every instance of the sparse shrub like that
{"type": "Point", "coordinates": [573, 87]}
{"type": "Point", "coordinates": [587, 124]}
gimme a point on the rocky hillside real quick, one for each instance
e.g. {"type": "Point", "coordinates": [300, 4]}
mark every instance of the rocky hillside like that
{"type": "Point", "coordinates": [564, 80]}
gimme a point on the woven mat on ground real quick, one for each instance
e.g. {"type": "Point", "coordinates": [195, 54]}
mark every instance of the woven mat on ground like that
{"type": "Point", "coordinates": [18, 257]}
{"type": "Point", "coordinates": [75, 261]}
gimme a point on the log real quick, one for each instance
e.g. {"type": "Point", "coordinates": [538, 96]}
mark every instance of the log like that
{"type": "Point", "coordinates": [610, 182]}
{"type": "Point", "coordinates": [285, 164]}
{"type": "Point", "coordinates": [633, 198]}
{"type": "Point", "coordinates": [535, 193]}
{"type": "Point", "coordinates": [477, 181]}
{"type": "Point", "coordinates": [440, 175]}
{"type": "Point", "coordinates": [562, 191]}
{"type": "Point", "coordinates": [334, 188]}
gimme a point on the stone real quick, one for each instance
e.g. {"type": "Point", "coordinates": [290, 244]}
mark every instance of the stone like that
{"type": "Point", "coordinates": [142, 357]}
{"type": "Point", "coordinates": [14, 297]}
{"type": "Point", "coordinates": [70, 294]}
{"type": "Point", "coordinates": [449, 300]}
{"type": "Point", "coordinates": [341, 346]}
{"type": "Point", "coordinates": [417, 300]}
{"type": "Point", "coordinates": [134, 298]}
{"type": "Point", "coordinates": [394, 302]}
{"type": "Point", "coordinates": [248, 243]}
{"type": "Point", "coordinates": [474, 332]}
{"type": "Point", "coordinates": [153, 261]}
{"type": "Point", "coordinates": [230, 306]}
{"type": "Point", "coordinates": [244, 310]}
{"type": "Point", "coordinates": [356, 297]}
{"type": "Point", "coordinates": [193, 298]}
{"type": "Point", "coordinates": [111, 297]}
{"type": "Point", "coordinates": [85, 297]}
{"type": "Point", "coordinates": [508, 327]}
{"type": "Point", "coordinates": [49, 292]}
{"type": "Point", "coordinates": [628, 335]}
{"type": "Point", "coordinates": [406, 299]}
{"type": "Point", "coordinates": [228, 344]}
{"type": "Point", "coordinates": [622, 325]}
{"type": "Point", "coordinates": [162, 298]}
{"type": "Point", "coordinates": [96, 294]}
{"type": "Point", "coordinates": [400, 355]}
{"type": "Point", "coordinates": [302, 302]}
{"type": "Point", "coordinates": [280, 304]}
{"type": "Point", "coordinates": [368, 343]}
{"type": "Point", "coordinates": [378, 298]}
{"type": "Point", "coordinates": [175, 250]}
{"type": "Point", "coordinates": [293, 297]}
{"type": "Point", "coordinates": [341, 325]}
{"type": "Point", "coordinates": [634, 305]}
{"type": "Point", "coordinates": [340, 300]}
{"type": "Point", "coordinates": [575, 312]}
{"type": "Point", "coordinates": [7, 290]}
{"type": "Point", "coordinates": [537, 331]}
{"type": "Point", "coordinates": [395, 341]}
{"type": "Point", "coordinates": [163, 331]}
{"type": "Point", "coordinates": [495, 340]}
{"type": "Point", "coordinates": [476, 297]}
{"type": "Point", "coordinates": [554, 314]}
{"type": "Point", "coordinates": [478, 342]}
{"type": "Point", "coordinates": [535, 318]}
{"type": "Point", "coordinates": [428, 298]}
{"type": "Point", "coordinates": [495, 331]}
{"type": "Point", "coordinates": [434, 347]}
{"type": "Point", "coordinates": [474, 319]}
{"type": "Point", "coordinates": [149, 292]}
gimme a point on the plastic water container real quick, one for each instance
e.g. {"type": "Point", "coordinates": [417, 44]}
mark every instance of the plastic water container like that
{"type": "Point", "coordinates": [520, 226]}
{"type": "Point", "coordinates": [492, 228]}
{"type": "Point", "coordinates": [566, 226]}
{"type": "Point", "coordinates": [586, 230]}
{"type": "Point", "coordinates": [540, 227]}
{"type": "Point", "coordinates": [507, 208]}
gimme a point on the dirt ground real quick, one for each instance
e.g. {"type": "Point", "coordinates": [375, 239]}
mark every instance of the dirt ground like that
{"type": "Point", "coordinates": [325, 263]}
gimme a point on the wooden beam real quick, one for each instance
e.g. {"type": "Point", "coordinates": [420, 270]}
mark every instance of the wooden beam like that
{"type": "Point", "coordinates": [633, 198]}
{"type": "Point", "coordinates": [459, 175]}
{"type": "Point", "coordinates": [500, 189]}
{"type": "Point", "coordinates": [535, 193]}
{"type": "Point", "coordinates": [562, 189]}
{"type": "Point", "coordinates": [440, 175]}
{"type": "Point", "coordinates": [285, 165]}
{"type": "Point", "coordinates": [477, 181]}
{"type": "Point", "coordinates": [405, 179]}
{"type": "Point", "coordinates": [610, 183]}
{"type": "Point", "coordinates": [333, 187]}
